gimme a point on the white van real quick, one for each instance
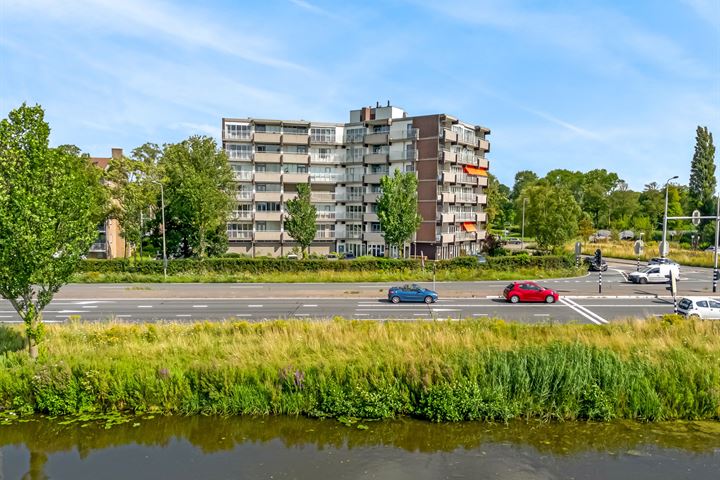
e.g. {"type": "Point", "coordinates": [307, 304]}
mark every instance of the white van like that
{"type": "Point", "coordinates": [700, 308]}
{"type": "Point", "coordinates": [655, 274]}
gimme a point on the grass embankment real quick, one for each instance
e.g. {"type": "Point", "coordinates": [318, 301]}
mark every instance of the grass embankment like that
{"type": "Point", "coordinates": [441, 371]}
{"type": "Point", "coordinates": [694, 258]}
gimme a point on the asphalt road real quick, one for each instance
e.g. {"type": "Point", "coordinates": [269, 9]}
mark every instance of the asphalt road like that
{"type": "Point", "coordinates": [580, 300]}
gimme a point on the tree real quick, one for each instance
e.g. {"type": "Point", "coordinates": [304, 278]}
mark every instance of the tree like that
{"type": "Point", "coordinates": [585, 226]}
{"type": "Point", "coordinates": [702, 173]}
{"type": "Point", "coordinates": [499, 207]}
{"type": "Point", "coordinates": [551, 215]}
{"type": "Point", "coordinates": [302, 215]}
{"type": "Point", "coordinates": [397, 208]}
{"type": "Point", "coordinates": [132, 188]}
{"type": "Point", "coordinates": [598, 185]}
{"type": "Point", "coordinates": [652, 203]}
{"type": "Point", "coordinates": [51, 201]}
{"type": "Point", "coordinates": [523, 178]}
{"type": "Point", "coordinates": [199, 187]}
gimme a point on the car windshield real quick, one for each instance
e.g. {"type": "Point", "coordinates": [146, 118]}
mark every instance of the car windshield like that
{"type": "Point", "coordinates": [685, 303]}
{"type": "Point", "coordinates": [645, 269]}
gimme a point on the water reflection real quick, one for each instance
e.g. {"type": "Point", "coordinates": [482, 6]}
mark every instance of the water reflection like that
{"type": "Point", "coordinates": [290, 447]}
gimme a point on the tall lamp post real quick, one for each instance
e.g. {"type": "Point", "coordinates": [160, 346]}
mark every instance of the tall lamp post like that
{"type": "Point", "coordinates": [664, 235]}
{"type": "Point", "coordinates": [522, 233]}
{"type": "Point", "coordinates": [162, 207]}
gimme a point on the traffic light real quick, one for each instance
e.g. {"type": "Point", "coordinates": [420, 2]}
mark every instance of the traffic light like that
{"type": "Point", "coordinates": [598, 257]}
{"type": "Point", "coordinates": [715, 275]}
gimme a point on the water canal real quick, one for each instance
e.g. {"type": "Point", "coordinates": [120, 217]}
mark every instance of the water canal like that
{"type": "Point", "coordinates": [299, 448]}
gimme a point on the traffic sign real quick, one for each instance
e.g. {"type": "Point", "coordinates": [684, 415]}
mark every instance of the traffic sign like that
{"type": "Point", "coordinates": [578, 248]}
{"type": "Point", "coordinates": [664, 248]}
{"type": "Point", "coordinates": [696, 217]}
{"type": "Point", "coordinates": [638, 247]}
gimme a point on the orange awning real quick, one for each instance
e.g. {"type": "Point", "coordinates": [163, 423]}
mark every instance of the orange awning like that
{"type": "Point", "coordinates": [475, 171]}
{"type": "Point", "coordinates": [469, 227]}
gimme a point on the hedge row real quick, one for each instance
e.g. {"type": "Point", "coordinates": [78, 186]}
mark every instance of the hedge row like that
{"type": "Point", "coordinates": [284, 265]}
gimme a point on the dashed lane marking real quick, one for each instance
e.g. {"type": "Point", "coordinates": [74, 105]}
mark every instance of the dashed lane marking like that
{"type": "Point", "coordinates": [144, 306]}
{"type": "Point", "coordinates": [184, 315]}
{"type": "Point", "coordinates": [310, 305]}
{"type": "Point", "coordinates": [199, 306]}
{"type": "Point", "coordinates": [254, 306]}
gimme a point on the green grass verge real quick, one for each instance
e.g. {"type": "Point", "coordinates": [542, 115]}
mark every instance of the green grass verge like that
{"type": "Point", "coordinates": [457, 274]}
{"type": "Point", "coordinates": [655, 369]}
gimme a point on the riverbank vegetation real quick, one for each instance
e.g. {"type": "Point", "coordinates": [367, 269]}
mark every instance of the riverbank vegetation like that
{"type": "Point", "coordinates": [654, 369]}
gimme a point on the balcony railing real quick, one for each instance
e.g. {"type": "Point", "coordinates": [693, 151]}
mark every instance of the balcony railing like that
{"type": "Point", "coordinates": [350, 215]}
{"type": "Point", "coordinates": [324, 235]}
{"type": "Point", "coordinates": [463, 236]}
{"type": "Point", "coordinates": [238, 135]}
{"type": "Point", "coordinates": [345, 197]}
{"type": "Point", "coordinates": [325, 215]}
{"type": "Point", "coordinates": [404, 155]}
{"type": "Point", "coordinates": [99, 247]}
{"type": "Point", "coordinates": [326, 177]}
{"type": "Point", "coordinates": [243, 195]}
{"type": "Point", "coordinates": [466, 197]}
{"type": "Point", "coordinates": [465, 178]}
{"type": "Point", "coordinates": [319, 138]}
{"type": "Point", "coordinates": [322, 197]}
{"type": "Point", "coordinates": [320, 158]}
{"type": "Point", "coordinates": [354, 137]}
{"type": "Point", "coordinates": [243, 175]}
{"type": "Point", "coordinates": [465, 216]}
{"type": "Point", "coordinates": [353, 235]}
{"type": "Point", "coordinates": [244, 214]}
{"type": "Point", "coordinates": [239, 235]}
{"type": "Point", "coordinates": [410, 133]}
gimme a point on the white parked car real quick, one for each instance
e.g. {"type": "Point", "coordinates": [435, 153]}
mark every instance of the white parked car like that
{"type": "Point", "coordinates": [655, 274]}
{"type": "Point", "coordinates": [703, 308]}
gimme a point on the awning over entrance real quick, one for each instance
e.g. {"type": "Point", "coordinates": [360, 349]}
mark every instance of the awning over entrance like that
{"type": "Point", "coordinates": [476, 171]}
{"type": "Point", "coordinates": [469, 227]}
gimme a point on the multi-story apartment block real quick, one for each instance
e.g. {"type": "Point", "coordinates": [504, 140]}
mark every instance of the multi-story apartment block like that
{"type": "Point", "coordinates": [109, 243]}
{"type": "Point", "coordinates": [344, 164]}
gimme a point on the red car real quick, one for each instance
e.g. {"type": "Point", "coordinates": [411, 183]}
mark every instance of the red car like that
{"type": "Point", "coordinates": [529, 292]}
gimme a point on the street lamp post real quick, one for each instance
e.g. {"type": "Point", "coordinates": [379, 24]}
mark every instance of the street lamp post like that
{"type": "Point", "coordinates": [162, 208]}
{"type": "Point", "coordinates": [522, 233]}
{"type": "Point", "coordinates": [664, 235]}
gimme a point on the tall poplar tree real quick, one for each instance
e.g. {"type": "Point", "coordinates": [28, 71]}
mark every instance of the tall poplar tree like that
{"type": "Point", "coordinates": [397, 208]}
{"type": "Point", "coordinates": [302, 216]}
{"type": "Point", "coordinates": [702, 173]}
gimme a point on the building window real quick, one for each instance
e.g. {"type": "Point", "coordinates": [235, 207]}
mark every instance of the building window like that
{"type": "Point", "coordinates": [375, 227]}
{"type": "Point", "coordinates": [322, 134]}
{"type": "Point", "coordinates": [239, 131]}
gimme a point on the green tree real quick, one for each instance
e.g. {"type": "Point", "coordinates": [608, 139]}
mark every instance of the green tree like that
{"type": "Point", "coordinates": [585, 226]}
{"type": "Point", "coordinates": [302, 215]}
{"type": "Point", "coordinates": [551, 215]}
{"type": "Point", "coordinates": [523, 178]}
{"type": "Point", "coordinates": [652, 203]}
{"type": "Point", "coordinates": [199, 191]}
{"type": "Point", "coordinates": [51, 201]}
{"type": "Point", "coordinates": [572, 181]}
{"type": "Point", "coordinates": [499, 207]}
{"type": "Point", "coordinates": [133, 191]}
{"type": "Point", "coordinates": [598, 185]}
{"type": "Point", "coordinates": [397, 208]}
{"type": "Point", "coordinates": [702, 173]}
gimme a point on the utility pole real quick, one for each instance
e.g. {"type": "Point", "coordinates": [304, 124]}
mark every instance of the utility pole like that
{"type": "Point", "coordinates": [522, 234]}
{"type": "Point", "coordinates": [664, 245]}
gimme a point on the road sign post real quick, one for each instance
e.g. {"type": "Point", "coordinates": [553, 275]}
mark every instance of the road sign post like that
{"type": "Point", "coordinates": [578, 251]}
{"type": "Point", "coordinates": [638, 247]}
{"type": "Point", "coordinates": [598, 262]}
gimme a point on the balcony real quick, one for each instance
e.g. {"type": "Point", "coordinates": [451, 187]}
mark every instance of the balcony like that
{"type": "Point", "coordinates": [465, 236]}
{"type": "Point", "coordinates": [99, 247]}
{"type": "Point", "coordinates": [467, 160]}
{"type": "Point", "coordinates": [268, 216]}
{"type": "Point", "coordinates": [370, 217]}
{"type": "Point", "coordinates": [482, 199]}
{"type": "Point", "coordinates": [353, 235]}
{"type": "Point", "coordinates": [265, 137]}
{"type": "Point", "coordinates": [324, 158]}
{"type": "Point", "coordinates": [246, 196]}
{"type": "Point", "coordinates": [268, 235]}
{"type": "Point", "coordinates": [450, 136]}
{"type": "Point", "coordinates": [448, 177]}
{"type": "Point", "coordinates": [483, 181]}
{"type": "Point", "coordinates": [241, 215]}
{"type": "Point", "coordinates": [470, 140]}
{"type": "Point", "coordinates": [374, 177]}
{"type": "Point", "coordinates": [446, 238]}
{"type": "Point", "coordinates": [325, 235]}
{"type": "Point", "coordinates": [484, 145]}
{"type": "Point", "coordinates": [321, 197]}
{"type": "Point", "coordinates": [236, 135]}
{"type": "Point", "coordinates": [446, 217]}
{"type": "Point", "coordinates": [376, 138]}
{"type": "Point", "coordinates": [354, 159]}
{"type": "Point", "coordinates": [353, 177]}
{"type": "Point", "coordinates": [449, 157]}
{"type": "Point", "coordinates": [350, 216]}
{"type": "Point", "coordinates": [483, 163]}
{"type": "Point", "coordinates": [347, 197]}
{"type": "Point", "coordinates": [298, 158]}
{"type": "Point", "coordinates": [325, 216]}
{"type": "Point", "coordinates": [322, 177]}
{"type": "Point", "coordinates": [482, 217]}
{"type": "Point", "coordinates": [371, 197]}
{"type": "Point", "coordinates": [267, 177]}
{"type": "Point", "coordinates": [355, 137]}
{"type": "Point", "coordinates": [295, 138]}
{"type": "Point", "coordinates": [267, 196]}
{"type": "Point", "coordinates": [404, 156]}
{"type": "Point", "coordinates": [481, 234]}
{"type": "Point", "coordinates": [295, 177]}
{"type": "Point", "coordinates": [376, 158]}
{"type": "Point", "coordinates": [239, 235]}
{"type": "Point", "coordinates": [446, 197]}
{"type": "Point", "coordinates": [287, 196]}
{"type": "Point", "coordinates": [466, 197]}
{"type": "Point", "coordinates": [465, 217]}
{"type": "Point", "coordinates": [407, 134]}
{"type": "Point", "coordinates": [323, 139]}
{"type": "Point", "coordinates": [465, 178]}
{"type": "Point", "coordinates": [243, 175]}
{"type": "Point", "coordinates": [373, 237]}
{"type": "Point", "coordinates": [267, 157]}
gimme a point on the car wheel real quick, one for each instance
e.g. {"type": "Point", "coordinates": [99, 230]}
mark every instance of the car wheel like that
{"type": "Point", "coordinates": [428, 299]}
{"type": "Point", "coordinates": [694, 317]}
{"type": "Point", "coordinates": [395, 299]}
{"type": "Point", "coordinates": [549, 299]}
{"type": "Point", "coordinates": [514, 299]}
{"type": "Point", "coordinates": [643, 281]}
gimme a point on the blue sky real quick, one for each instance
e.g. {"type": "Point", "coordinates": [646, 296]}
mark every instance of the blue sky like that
{"type": "Point", "coordinates": [579, 84]}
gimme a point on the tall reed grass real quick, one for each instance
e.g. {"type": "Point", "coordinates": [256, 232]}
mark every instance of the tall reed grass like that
{"type": "Point", "coordinates": [695, 258]}
{"type": "Point", "coordinates": [441, 371]}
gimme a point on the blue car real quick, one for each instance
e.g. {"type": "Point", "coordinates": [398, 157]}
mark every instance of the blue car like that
{"type": "Point", "coordinates": [411, 293]}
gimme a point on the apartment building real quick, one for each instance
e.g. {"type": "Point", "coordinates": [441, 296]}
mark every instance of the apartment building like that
{"type": "Point", "coordinates": [109, 243]}
{"type": "Point", "coordinates": [344, 162]}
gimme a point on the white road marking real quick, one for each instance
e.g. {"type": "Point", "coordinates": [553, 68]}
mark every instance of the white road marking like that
{"type": "Point", "coordinates": [144, 306]}
{"type": "Point", "coordinates": [254, 306]}
{"type": "Point", "coordinates": [123, 316]}
{"type": "Point", "coordinates": [361, 314]}
{"type": "Point", "coordinates": [480, 314]}
{"type": "Point", "coordinates": [184, 315]}
{"type": "Point", "coordinates": [311, 305]}
{"type": "Point", "coordinates": [248, 286]}
{"type": "Point", "coordinates": [447, 309]}
{"type": "Point", "coordinates": [199, 306]}
{"type": "Point", "coordinates": [420, 314]}
{"type": "Point", "coordinates": [5, 316]}
{"type": "Point", "coordinates": [301, 315]}
{"type": "Point", "coordinates": [89, 306]}
{"type": "Point", "coordinates": [385, 309]}
{"type": "Point", "coordinates": [593, 317]}
{"type": "Point", "coordinates": [541, 314]}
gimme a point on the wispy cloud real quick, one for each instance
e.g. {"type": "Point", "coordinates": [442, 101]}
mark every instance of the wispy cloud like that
{"type": "Point", "coordinates": [708, 10]}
